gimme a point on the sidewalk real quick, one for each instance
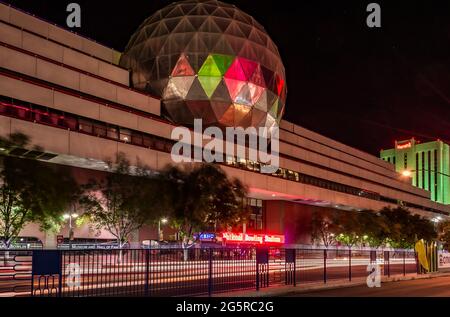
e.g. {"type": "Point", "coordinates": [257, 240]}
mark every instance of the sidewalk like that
{"type": "Point", "coordinates": [284, 290]}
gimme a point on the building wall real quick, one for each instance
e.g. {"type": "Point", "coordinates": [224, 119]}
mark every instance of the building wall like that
{"type": "Point", "coordinates": [291, 219]}
{"type": "Point", "coordinates": [57, 34]}
{"type": "Point", "coordinates": [428, 164]}
{"type": "Point", "coordinates": [51, 67]}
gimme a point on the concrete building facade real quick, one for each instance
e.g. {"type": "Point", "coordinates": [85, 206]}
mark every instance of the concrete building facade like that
{"type": "Point", "coordinates": [427, 164]}
{"type": "Point", "coordinates": [70, 96]}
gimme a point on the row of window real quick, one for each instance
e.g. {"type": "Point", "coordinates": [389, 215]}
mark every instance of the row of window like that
{"type": "Point", "coordinates": [255, 222]}
{"type": "Point", "coordinates": [304, 178]}
{"type": "Point", "coordinates": [60, 119]}
{"type": "Point", "coordinates": [427, 167]}
{"type": "Point", "coordinates": [44, 115]}
{"type": "Point", "coordinates": [390, 159]}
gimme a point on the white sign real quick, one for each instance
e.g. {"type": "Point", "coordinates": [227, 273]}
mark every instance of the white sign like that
{"type": "Point", "coordinates": [444, 259]}
{"type": "Point", "coordinates": [73, 275]}
{"type": "Point", "coordinates": [374, 278]}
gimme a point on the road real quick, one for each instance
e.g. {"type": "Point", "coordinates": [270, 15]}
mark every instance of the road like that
{"type": "Point", "coordinates": [438, 286]}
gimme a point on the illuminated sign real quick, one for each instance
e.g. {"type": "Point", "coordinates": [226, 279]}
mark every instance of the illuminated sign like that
{"type": "Point", "coordinates": [206, 236]}
{"type": "Point", "coordinates": [406, 145]}
{"type": "Point", "coordinates": [252, 238]}
{"type": "Point", "coordinates": [273, 239]}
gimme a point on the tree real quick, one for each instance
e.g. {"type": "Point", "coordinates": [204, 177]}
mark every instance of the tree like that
{"type": "Point", "coordinates": [374, 227]}
{"type": "Point", "coordinates": [406, 228]}
{"type": "Point", "coordinates": [350, 230]}
{"type": "Point", "coordinates": [123, 201]}
{"type": "Point", "coordinates": [31, 190]}
{"type": "Point", "coordinates": [324, 227]}
{"type": "Point", "coordinates": [203, 198]}
{"type": "Point", "coordinates": [444, 234]}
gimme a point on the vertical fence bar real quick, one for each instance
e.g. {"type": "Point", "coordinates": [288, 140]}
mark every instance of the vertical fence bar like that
{"type": "Point", "coordinates": [61, 256]}
{"type": "Point", "coordinates": [147, 272]}
{"type": "Point", "coordinates": [32, 271]}
{"type": "Point", "coordinates": [386, 256]}
{"type": "Point", "coordinates": [350, 265]}
{"type": "Point", "coordinates": [404, 263]}
{"type": "Point", "coordinates": [257, 275]}
{"type": "Point", "coordinates": [324, 266]}
{"type": "Point", "coordinates": [389, 264]}
{"type": "Point", "coordinates": [210, 268]}
{"type": "Point", "coordinates": [295, 267]}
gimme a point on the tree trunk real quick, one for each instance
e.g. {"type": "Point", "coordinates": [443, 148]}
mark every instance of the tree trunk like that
{"type": "Point", "coordinates": [120, 258]}
{"type": "Point", "coordinates": [184, 245]}
{"type": "Point", "coordinates": [7, 244]}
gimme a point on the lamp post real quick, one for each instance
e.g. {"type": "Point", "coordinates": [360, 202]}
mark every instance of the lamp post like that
{"type": "Point", "coordinates": [70, 217]}
{"type": "Point", "coordinates": [408, 173]}
{"type": "Point", "coordinates": [160, 232]}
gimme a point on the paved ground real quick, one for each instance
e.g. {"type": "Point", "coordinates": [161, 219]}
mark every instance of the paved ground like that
{"type": "Point", "coordinates": [437, 286]}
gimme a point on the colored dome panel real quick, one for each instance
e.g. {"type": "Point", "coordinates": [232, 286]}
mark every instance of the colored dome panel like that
{"type": "Point", "coordinates": [208, 59]}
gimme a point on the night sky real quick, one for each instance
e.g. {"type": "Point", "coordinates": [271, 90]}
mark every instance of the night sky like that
{"type": "Point", "coordinates": [364, 87]}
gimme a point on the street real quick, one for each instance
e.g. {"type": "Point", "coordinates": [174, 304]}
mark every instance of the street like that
{"type": "Point", "coordinates": [439, 286]}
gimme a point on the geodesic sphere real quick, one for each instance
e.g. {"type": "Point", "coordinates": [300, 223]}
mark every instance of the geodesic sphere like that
{"type": "Point", "coordinates": [208, 60]}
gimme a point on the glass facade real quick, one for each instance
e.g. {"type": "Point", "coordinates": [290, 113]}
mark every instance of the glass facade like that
{"type": "Point", "coordinates": [208, 60]}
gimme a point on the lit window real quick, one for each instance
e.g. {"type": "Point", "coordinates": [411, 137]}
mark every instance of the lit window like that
{"type": "Point", "coordinates": [125, 135]}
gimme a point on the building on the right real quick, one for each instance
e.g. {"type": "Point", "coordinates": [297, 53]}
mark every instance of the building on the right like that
{"type": "Point", "coordinates": [427, 164]}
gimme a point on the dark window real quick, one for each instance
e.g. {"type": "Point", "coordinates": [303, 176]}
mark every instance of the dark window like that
{"type": "Point", "coordinates": [112, 132]}
{"type": "Point", "coordinates": [147, 141]}
{"type": "Point", "coordinates": [136, 138]}
{"type": "Point", "coordinates": [41, 116]}
{"type": "Point", "coordinates": [423, 170]}
{"type": "Point", "coordinates": [85, 126]}
{"type": "Point", "coordinates": [417, 170]}
{"type": "Point", "coordinates": [70, 123]}
{"type": "Point", "coordinates": [100, 129]}
{"type": "Point", "coordinates": [435, 176]}
{"type": "Point", "coordinates": [429, 170]}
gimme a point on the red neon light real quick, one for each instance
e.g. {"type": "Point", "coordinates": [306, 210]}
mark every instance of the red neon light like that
{"type": "Point", "coordinates": [404, 145]}
{"type": "Point", "coordinates": [252, 238]}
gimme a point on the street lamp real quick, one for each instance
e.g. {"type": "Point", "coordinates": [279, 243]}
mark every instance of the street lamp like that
{"type": "Point", "coordinates": [70, 217]}
{"type": "Point", "coordinates": [436, 220]}
{"type": "Point", "coordinates": [406, 173]}
{"type": "Point", "coordinates": [160, 232]}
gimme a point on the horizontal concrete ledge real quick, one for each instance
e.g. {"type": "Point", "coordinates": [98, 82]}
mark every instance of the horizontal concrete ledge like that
{"type": "Point", "coordinates": [285, 290]}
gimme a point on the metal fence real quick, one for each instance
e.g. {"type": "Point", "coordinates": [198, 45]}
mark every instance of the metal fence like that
{"type": "Point", "coordinates": [184, 272]}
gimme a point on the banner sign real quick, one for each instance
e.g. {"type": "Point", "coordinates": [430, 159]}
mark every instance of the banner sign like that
{"type": "Point", "coordinates": [252, 238]}
{"type": "Point", "coordinates": [444, 260]}
{"type": "Point", "coordinates": [206, 236]}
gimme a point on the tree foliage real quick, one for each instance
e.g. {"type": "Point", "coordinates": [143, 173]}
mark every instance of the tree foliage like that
{"type": "Point", "coordinates": [444, 234]}
{"type": "Point", "coordinates": [31, 191]}
{"type": "Point", "coordinates": [123, 201]}
{"type": "Point", "coordinates": [202, 198]}
{"type": "Point", "coordinates": [324, 227]}
{"type": "Point", "coordinates": [396, 227]}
